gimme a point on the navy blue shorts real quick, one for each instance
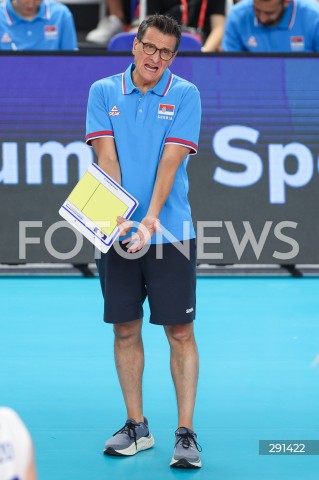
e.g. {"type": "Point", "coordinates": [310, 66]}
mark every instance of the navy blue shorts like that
{"type": "Point", "coordinates": [168, 282]}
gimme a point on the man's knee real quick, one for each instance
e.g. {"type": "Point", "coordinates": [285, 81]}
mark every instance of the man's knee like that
{"type": "Point", "coordinates": [124, 331]}
{"type": "Point", "coordinates": [180, 333]}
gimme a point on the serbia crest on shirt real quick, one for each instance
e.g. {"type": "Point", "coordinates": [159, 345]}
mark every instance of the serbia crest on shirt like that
{"type": "Point", "coordinates": [297, 43]}
{"type": "Point", "coordinates": [165, 111]}
{"type": "Point", "coordinates": [50, 32]}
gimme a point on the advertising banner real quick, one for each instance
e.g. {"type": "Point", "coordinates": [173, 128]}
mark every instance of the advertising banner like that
{"type": "Point", "coordinates": [253, 183]}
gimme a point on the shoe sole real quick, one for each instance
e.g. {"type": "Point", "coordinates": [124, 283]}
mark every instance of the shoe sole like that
{"type": "Point", "coordinates": [183, 463]}
{"type": "Point", "coordinates": [142, 444]}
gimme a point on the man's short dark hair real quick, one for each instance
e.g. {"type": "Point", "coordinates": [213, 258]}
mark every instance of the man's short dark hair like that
{"type": "Point", "coordinates": [164, 24]}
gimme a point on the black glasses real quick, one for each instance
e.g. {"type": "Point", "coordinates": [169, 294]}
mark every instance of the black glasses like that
{"type": "Point", "coordinates": [150, 49]}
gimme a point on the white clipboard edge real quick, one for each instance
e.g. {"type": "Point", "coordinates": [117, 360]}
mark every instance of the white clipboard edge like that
{"type": "Point", "coordinates": [88, 228]}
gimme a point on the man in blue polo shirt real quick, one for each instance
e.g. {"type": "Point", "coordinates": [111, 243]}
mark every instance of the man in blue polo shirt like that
{"type": "Point", "coordinates": [36, 25]}
{"type": "Point", "coordinates": [272, 26]}
{"type": "Point", "coordinates": [143, 124]}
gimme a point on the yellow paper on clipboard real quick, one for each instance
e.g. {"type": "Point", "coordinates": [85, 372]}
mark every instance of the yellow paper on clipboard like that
{"type": "Point", "coordinates": [94, 205]}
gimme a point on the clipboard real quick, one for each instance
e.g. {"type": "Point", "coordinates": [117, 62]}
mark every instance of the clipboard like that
{"type": "Point", "coordinates": [93, 206]}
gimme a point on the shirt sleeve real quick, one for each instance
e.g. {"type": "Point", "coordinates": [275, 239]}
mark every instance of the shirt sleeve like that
{"type": "Point", "coordinates": [216, 7]}
{"type": "Point", "coordinates": [232, 41]}
{"type": "Point", "coordinates": [16, 434]}
{"type": "Point", "coordinates": [186, 124]}
{"type": "Point", "coordinates": [316, 29]}
{"type": "Point", "coordinates": [68, 38]}
{"type": "Point", "coordinates": [98, 123]}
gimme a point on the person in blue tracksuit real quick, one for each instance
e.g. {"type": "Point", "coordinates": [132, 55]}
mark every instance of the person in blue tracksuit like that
{"type": "Point", "coordinates": [272, 26]}
{"type": "Point", "coordinates": [36, 25]}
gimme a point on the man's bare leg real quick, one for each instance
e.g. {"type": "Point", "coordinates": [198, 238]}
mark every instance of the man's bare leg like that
{"type": "Point", "coordinates": [184, 369]}
{"type": "Point", "coordinates": [129, 360]}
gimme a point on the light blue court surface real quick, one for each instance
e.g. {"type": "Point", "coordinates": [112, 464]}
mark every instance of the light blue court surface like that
{"type": "Point", "coordinates": [258, 339]}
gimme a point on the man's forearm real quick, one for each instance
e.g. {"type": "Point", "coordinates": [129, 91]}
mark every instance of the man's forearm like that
{"type": "Point", "coordinates": [105, 150]}
{"type": "Point", "coordinates": [163, 186]}
{"type": "Point", "coordinates": [111, 168]}
{"type": "Point", "coordinates": [171, 160]}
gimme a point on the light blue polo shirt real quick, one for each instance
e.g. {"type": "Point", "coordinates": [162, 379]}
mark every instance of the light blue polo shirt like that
{"type": "Point", "coordinates": [141, 126]}
{"type": "Point", "coordinates": [52, 28]}
{"type": "Point", "coordinates": [298, 30]}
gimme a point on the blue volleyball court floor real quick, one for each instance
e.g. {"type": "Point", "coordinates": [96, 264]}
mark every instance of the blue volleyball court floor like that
{"type": "Point", "coordinates": [259, 378]}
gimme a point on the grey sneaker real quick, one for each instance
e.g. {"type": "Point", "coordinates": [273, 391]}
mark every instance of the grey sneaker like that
{"type": "Point", "coordinates": [186, 453]}
{"type": "Point", "coordinates": [130, 439]}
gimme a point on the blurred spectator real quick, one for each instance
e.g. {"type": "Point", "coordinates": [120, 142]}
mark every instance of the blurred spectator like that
{"type": "Point", "coordinates": [16, 449]}
{"type": "Point", "coordinates": [204, 18]}
{"type": "Point", "coordinates": [36, 25]}
{"type": "Point", "coordinates": [113, 23]}
{"type": "Point", "coordinates": [272, 26]}
{"type": "Point", "coordinates": [214, 25]}
{"type": "Point", "coordinates": [179, 10]}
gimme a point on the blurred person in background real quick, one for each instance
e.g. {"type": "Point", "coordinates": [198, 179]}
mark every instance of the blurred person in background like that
{"type": "Point", "coordinates": [203, 18]}
{"type": "Point", "coordinates": [213, 29]}
{"type": "Point", "coordinates": [36, 25]}
{"type": "Point", "coordinates": [16, 448]}
{"type": "Point", "coordinates": [272, 26]}
{"type": "Point", "coordinates": [118, 16]}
